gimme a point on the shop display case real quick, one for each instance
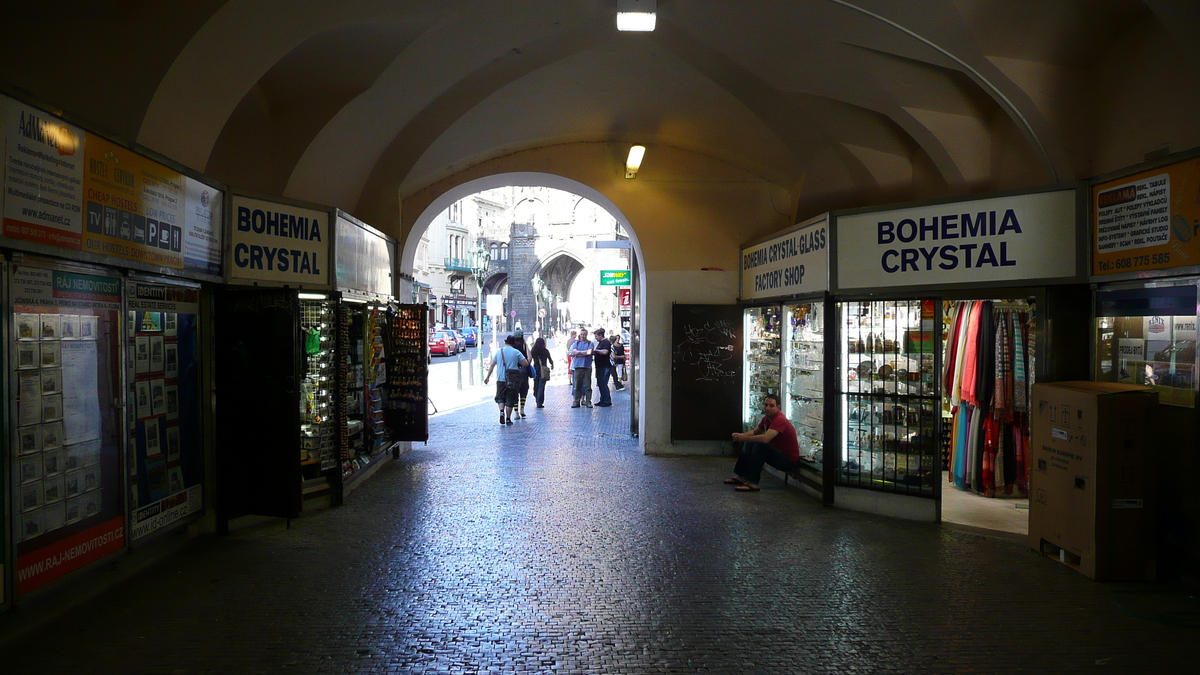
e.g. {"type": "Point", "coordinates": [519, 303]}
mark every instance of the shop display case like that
{"type": "Point", "coordinates": [890, 396]}
{"type": "Point", "coordinates": [1146, 335]}
{"type": "Point", "coordinates": [763, 328]}
{"type": "Point", "coordinates": [804, 378]}
{"type": "Point", "coordinates": [367, 437]}
{"type": "Point", "coordinates": [405, 399]}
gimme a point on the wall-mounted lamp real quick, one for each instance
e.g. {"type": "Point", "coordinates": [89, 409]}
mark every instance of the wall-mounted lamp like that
{"type": "Point", "coordinates": [636, 15]}
{"type": "Point", "coordinates": [634, 161]}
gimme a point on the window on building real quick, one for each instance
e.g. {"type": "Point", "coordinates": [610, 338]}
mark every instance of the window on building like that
{"type": "Point", "coordinates": [504, 251]}
{"type": "Point", "coordinates": [456, 284]}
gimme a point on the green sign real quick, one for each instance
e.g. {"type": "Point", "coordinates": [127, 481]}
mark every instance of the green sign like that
{"type": "Point", "coordinates": [614, 277]}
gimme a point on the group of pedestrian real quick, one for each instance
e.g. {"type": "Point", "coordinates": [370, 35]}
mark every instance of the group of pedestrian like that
{"type": "Point", "coordinates": [603, 356]}
{"type": "Point", "coordinates": [518, 364]}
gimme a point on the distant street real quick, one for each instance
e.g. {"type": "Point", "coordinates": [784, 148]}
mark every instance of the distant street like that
{"type": "Point", "coordinates": [444, 371]}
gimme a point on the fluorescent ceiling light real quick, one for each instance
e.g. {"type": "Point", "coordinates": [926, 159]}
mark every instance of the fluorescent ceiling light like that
{"type": "Point", "coordinates": [312, 296]}
{"type": "Point", "coordinates": [636, 15]}
{"type": "Point", "coordinates": [634, 161]}
{"type": "Point", "coordinates": [348, 298]}
{"type": "Point", "coordinates": [636, 21]}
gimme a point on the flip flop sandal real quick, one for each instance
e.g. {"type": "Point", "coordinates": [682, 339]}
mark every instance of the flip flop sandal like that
{"type": "Point", "coordinates": [734, 481]}
{"type": "Point", "coordinates": [745, 488]}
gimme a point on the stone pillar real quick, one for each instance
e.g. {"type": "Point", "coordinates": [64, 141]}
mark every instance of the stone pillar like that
{"type": "Point", "coordinates": [522, 263]}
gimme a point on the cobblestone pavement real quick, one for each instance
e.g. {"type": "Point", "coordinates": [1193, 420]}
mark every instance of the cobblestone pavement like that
{"type": "Point", "coordinates": [547, 547]}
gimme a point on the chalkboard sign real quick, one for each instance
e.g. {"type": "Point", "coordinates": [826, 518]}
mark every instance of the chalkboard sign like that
{"type": "Point", "coordinates": [706, 372]}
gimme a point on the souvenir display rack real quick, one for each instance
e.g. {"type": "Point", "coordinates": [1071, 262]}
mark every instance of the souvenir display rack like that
{"type": "Point", "coordinates": [804, 378]}
{"type": "Point", "coordinates": [763, 342]}
{"type": "Point", "coordinates": [891, 398]}
{"type": "Point", "coordinates": [365, 362]}
{"type": "Point", "coordinates": [406, 356]}
{"type": "Point", "coordinates": [319, 421]}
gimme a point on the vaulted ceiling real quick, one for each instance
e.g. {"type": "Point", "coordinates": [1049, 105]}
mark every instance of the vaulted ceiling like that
{"type": "Point", "coordinates": [361, 103]}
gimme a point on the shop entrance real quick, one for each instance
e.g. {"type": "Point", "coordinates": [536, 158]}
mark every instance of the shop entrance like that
{"type": "Point", "coordinates": [988, 367]}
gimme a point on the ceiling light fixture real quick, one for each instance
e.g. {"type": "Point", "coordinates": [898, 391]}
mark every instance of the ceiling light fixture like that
{"type": "Point", "coordinates": [636, 15]}
{"type": "Point", "coordinates": [634, 161]}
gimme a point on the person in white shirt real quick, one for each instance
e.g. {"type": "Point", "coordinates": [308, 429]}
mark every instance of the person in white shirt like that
{"type": "Point", "coordinates": [508, 358]}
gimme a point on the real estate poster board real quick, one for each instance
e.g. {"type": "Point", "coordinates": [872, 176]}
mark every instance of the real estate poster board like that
{"type": "Point", "coordinates": [72, 515]}
{"type": "Point", "coordinates": [167, 468]}
{"type": "Point", "coordinates": [1149, 220]}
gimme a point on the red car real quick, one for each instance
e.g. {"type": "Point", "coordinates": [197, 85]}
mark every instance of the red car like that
{"type": "Point", "coordinates": [444, 343]}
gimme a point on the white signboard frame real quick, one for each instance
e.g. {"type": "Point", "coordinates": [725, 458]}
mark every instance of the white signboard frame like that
{"type": "Point", "coordinates": [274, 243]}
{"type": "Point", "coordinates": [1021, 239]}
{"type": "Point", "coordinates": [793, 263]}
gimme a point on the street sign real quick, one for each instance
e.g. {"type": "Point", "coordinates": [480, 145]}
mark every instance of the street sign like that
{"type": "Point", "coordinates": [541, 313]}
{"type": "Point", "coordinates": [495, 305]}
{"type": "Point", "coordinates": [625, 298]}
{"type": "Point", "coordinates": [513, 313]}
{"type": "Point", "coordinates": [615, 277]}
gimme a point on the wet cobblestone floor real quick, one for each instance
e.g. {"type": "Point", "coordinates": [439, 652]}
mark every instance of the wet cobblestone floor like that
{"type": "Point", "coordinates": [554, 546]}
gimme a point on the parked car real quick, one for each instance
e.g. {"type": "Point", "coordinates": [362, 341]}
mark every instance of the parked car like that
{"type": "Point", "coordinates": [462, 339]}
{"type": "Point", "coordinates": [443, 342]}
{"type": "Point", "coordinates": [472, 335]}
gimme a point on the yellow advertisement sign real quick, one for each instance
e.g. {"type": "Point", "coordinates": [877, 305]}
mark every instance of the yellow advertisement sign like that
{"type": "Point", "coordinates": [133, 206]}
{"type": "Point", "coordinates": [1147, 221]}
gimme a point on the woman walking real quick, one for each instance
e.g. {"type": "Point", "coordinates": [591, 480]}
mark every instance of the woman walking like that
{"type": "Point", "coordinates": [519, 344]}
{"type": "Point", "coordinates": [543, 363]}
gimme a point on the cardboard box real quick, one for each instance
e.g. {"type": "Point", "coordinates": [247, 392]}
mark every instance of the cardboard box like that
{"type": "Point", "coordinates": [1090, 502]}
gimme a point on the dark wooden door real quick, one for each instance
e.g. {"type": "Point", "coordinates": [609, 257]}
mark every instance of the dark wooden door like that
{"type": "Point", "coordinates": [258, 409]}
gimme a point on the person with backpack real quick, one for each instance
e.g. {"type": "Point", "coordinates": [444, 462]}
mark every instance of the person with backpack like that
{"type": "Point", "coordinates": [543, 364]}
{"type": "Point", "coordinates": [518, 344]}
{"type": "Point", "coordinates": [512, 365]}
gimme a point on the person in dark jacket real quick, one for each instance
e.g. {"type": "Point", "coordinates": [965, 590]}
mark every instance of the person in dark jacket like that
{"type": "Point", "coordinates": [543, 363]}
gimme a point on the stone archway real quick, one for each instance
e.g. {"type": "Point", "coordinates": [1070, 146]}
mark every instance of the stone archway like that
{"type": "Point", "coordinates": [537, 179]}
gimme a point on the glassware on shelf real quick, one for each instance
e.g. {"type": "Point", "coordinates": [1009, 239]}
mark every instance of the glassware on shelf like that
{"type": "Point", "coordinates": [890, 396]}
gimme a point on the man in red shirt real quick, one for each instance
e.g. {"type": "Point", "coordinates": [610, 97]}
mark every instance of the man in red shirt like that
{"type": "Point", "coordinates": [772, 442]}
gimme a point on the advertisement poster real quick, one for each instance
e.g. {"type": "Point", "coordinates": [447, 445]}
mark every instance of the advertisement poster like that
{"type": "Point", "coordinates": [167, 466]}
{"type": "Point", "coordinates": [43, 177]}
{"type": "Point", "coordinates": [796, 262]}
{"type": "Point", "coordinates": [1147, 221]}
{"type": "Point", "coordinates": [1019, 238]}
{"type": "Point", "coordinates": [69, 507]}
{"type": "Point", "coordinates": [278, 243]}
{"type": "Point", "coordinates": [202, 227]}
{"type": "Point", "coordinates": [68, 188]}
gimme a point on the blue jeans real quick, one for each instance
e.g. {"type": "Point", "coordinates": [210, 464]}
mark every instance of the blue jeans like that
{"type": "Point", "coordinates": [539, 390]}
{"type": "Point", "coordinates": [754, 455]}
{"type": "Point", "coordinates": [602, 375]}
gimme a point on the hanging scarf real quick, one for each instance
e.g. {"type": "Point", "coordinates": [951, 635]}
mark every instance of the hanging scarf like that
{"type": "Point", "coordinates": [1002, 399]}
{"type": "Point", "coordinates": [951, 348]}
{"type": "Point", "coordinates": [1020, 401]}
{"type": "Point", "coordinates": [971, 356]}
{"type": "Point", "coordinates": [960, 353]}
